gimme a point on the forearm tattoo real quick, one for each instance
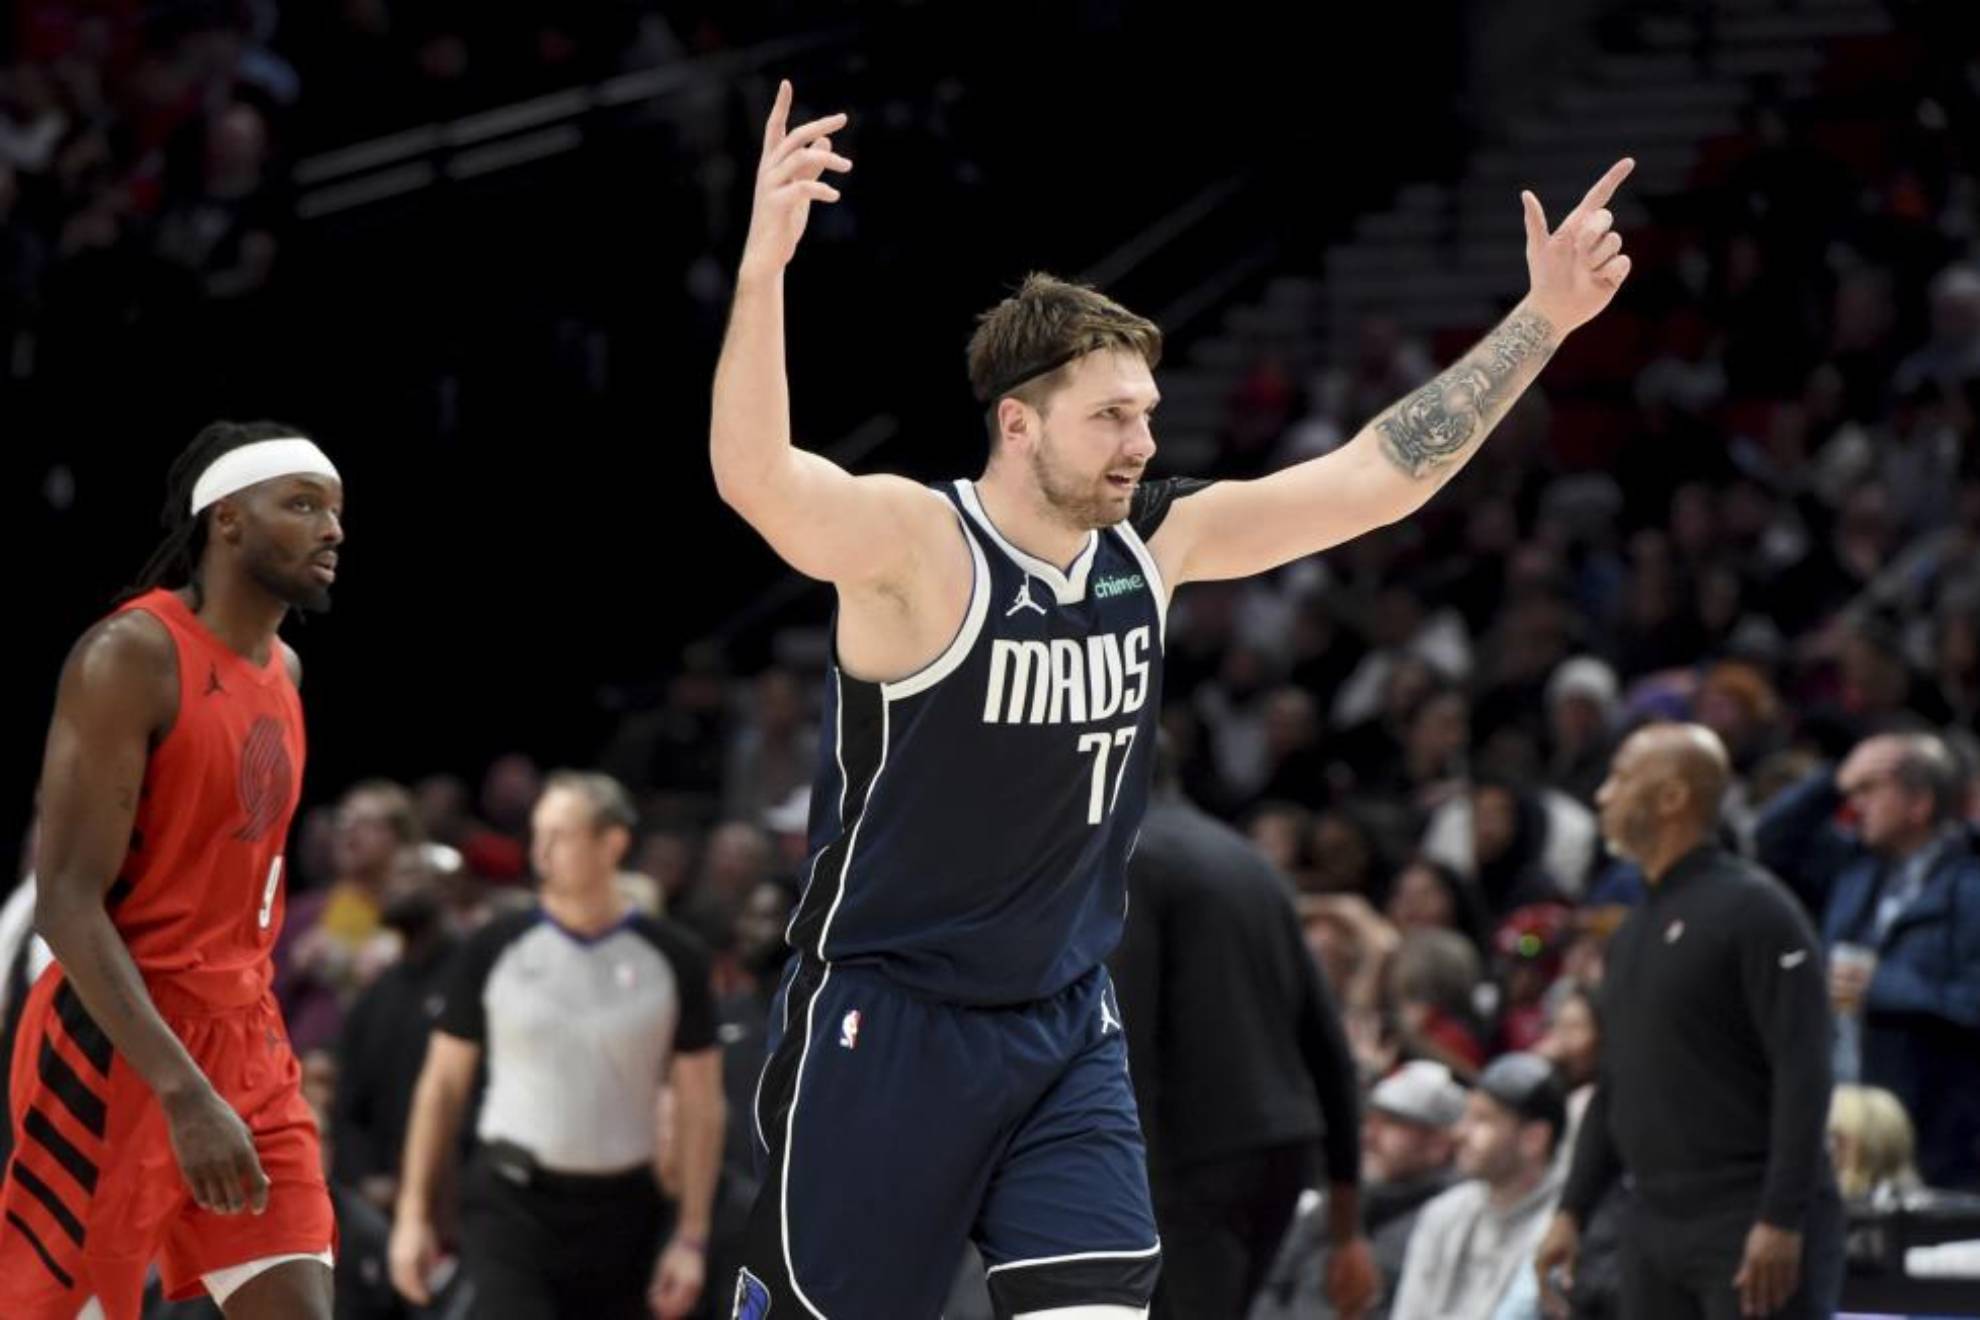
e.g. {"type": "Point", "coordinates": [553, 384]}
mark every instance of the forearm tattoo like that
{"type": "Point", "coordinates": [1437, 423]}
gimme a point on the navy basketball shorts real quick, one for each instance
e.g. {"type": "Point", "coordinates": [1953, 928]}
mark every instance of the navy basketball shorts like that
{"type": "Point", "coordinates": [892, 1129]}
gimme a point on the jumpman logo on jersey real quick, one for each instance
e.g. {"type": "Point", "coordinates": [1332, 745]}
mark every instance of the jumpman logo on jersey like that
{"type": "Point", "coordinates": [213, 681]}
{"type": "Point", "coordinates": [1024, 600]}
{"type": "Point", "coordinates": [1108, 1022]}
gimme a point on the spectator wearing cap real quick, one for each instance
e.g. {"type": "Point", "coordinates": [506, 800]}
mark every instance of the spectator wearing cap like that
{"type": "Point", "coordinates": [1582, 707]}
{"type": "Point", "coordinates": [1239, 1063]}
{"type": "Point", "coordinates": [1904, 885]}
{"type": "Point", "coordinates": [1473, 1242]}
{"type": "Point", "coordinates": [1408, 1143]}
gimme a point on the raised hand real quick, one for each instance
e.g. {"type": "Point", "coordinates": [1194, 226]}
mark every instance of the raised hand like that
{"type": "Point", "coordinates": [1576, 269]}
{"type": "Point", "coordinates": [789, 178]}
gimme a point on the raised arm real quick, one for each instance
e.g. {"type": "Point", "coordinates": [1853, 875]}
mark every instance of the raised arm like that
{"type": "Point", "coordinates": [1399, 460]}
{"type": "Point", "coordinates": [823, 521]}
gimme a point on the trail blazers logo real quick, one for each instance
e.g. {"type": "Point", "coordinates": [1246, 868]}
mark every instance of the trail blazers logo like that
{"type": "Point", "coordinates": [267, 780]}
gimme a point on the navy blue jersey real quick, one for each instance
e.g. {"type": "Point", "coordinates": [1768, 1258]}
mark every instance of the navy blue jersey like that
{"type": "Point", "coordinates": [970, 824]}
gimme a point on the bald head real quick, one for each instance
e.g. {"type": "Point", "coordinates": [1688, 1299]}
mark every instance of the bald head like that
{"type": "Point", "coordinates": [1692, 756]}
{"type": "Point", "coordinates": [1663, 792]}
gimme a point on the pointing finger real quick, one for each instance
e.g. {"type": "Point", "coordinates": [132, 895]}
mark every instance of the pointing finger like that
{"type": "Point", "coordinates": [780, 115]}
{"type": "Point", "coordinates": [1605, 187]}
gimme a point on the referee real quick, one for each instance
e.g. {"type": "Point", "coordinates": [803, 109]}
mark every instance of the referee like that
{"type": "Point", "coordinates": [1713, 1087]}
{"type": "Point", "coordinates": [581, 1008]}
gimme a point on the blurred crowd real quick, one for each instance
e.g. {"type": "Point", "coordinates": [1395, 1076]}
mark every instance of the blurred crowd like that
{"type": "Point", "coordinates": [145, 147]}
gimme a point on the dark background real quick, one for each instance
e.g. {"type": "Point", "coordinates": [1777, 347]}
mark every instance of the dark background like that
{"type": "Point", "coordinates": [513, 375]}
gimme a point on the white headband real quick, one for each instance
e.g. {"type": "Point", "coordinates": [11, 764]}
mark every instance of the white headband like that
{"type": "Point", "coordinates": [264, 460]}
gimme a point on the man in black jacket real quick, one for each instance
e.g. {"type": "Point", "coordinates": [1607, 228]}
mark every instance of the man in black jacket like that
{"type": "Point", "coordinates": [1714, 1081]}
{"type": "Point", "coordinates": [1237, 1055]}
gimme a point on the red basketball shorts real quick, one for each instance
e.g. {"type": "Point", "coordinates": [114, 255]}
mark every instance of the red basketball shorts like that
{"type": "Point", "coordinates": [93, 1194]}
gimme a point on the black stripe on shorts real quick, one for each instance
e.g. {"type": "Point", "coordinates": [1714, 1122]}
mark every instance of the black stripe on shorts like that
{"type": "Point", "coordinates": [82, 1029]}
{"type": "Point", "coordinates": [79, 1100]}
{"type": "Point", "coordinates": [46, 1135]}
{"type": "Point", "coordinates": [62, 1276]}
{"type": "Point", "coordinates": [41, 1192]}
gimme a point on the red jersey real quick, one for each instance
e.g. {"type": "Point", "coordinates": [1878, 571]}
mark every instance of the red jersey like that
{"type": "Point", "coordinates": [199, 900]}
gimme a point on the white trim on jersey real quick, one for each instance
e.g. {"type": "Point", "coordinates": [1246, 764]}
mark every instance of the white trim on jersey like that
{"type": "Point", "coordinates": [1143, 1254]}
{"type": "Point", "coordinates": [865, 810]}
{"type": "Point", "coordinates": [1156, 586]}
{"type": "Point", "coordinates": [966, 634]}
{"type": "Point", "coordinates": [839, 758]}
{"type": "Point", "coordinates": [1067, 588]}
{"type": "Point", "coordinates": [756, 1104]}
{"type": "Point", "coordinates": [790, 1142]}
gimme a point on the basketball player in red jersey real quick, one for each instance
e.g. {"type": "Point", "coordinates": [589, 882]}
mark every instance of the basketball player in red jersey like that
{"type": "Point", "coordinates": [158, 1110]}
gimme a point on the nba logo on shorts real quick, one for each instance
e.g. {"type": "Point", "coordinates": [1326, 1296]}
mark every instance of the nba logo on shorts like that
{"type": "Point", "coordinates": [849, 1030]}
{"type": "Point", "coordinates": [752, 1298]}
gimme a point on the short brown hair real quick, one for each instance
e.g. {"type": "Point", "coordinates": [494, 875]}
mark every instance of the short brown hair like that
{"type": "Point", "coordinates": [1023, 343]}
{"type": "Point", "coordinates": [611, 805]}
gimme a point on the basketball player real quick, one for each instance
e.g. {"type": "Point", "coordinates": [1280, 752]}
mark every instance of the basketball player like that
{"type": "Point", "coordinates": [158, 1108]}
{"type": "Point", "coordinates": [946, 1056]}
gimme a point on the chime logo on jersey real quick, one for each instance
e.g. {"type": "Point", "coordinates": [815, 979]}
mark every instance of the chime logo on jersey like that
{"type": "Point", "coordinates": [1117, 586]}
{"type": "Point", "coordinates": [849, 1030]}
{"type": "Point", "coordinates": [1067, 681]}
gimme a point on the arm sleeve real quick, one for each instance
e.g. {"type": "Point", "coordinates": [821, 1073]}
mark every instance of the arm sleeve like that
{"type": "Point", "coordinates": [466, 1013]}
{"type": "Point", "coordinates": [1596, 1164]}
{"type": "Point", "coordinates": [1153, 500]}
{"type": "Point", "coordinates": [1329, 1061]}
{"type": "Point", "coordinates": [1796, 839]}
{"type": "Point", "coordinates": [1789, 1008]}
{"type": "Point", "coordinates": [689, 958]}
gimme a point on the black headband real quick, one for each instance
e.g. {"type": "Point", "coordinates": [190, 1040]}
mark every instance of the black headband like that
{"type": "Point", "coordinates": [1000, 388]}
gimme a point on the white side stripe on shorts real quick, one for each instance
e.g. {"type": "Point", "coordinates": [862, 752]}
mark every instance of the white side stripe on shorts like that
{"type": "Point", "coordinates": [1078, 1255]}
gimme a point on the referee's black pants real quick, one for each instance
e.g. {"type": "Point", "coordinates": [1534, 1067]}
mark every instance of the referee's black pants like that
{"type": "Point", "coordinates": [1682, 1269]}
{"type": "Point", "coordinates": [545, 1246]}
{"type": "Point", "coordinates": [1222, 1224]}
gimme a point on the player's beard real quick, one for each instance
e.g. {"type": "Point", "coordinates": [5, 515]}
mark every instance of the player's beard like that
{"type": "Point", "coordinates": [1080, 501]}
{"type": "Point", "coordinates": [1625, 837]}
{"type": "Point", "coordinates": [297, 592]}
